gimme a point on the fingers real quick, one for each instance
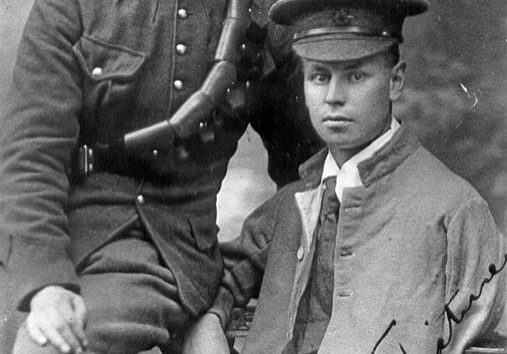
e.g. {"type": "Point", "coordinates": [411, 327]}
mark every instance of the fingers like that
{"type": "Point", "coordinates": [41, 331]}
{"type": "Point", "coordinates": [50, 326]}
{"type": "Point", "coordinates": [35, 333]}
{"type": "Point", "coordinates": [57, 317]}
{"type": "Point", "coordinates": [81, 314]}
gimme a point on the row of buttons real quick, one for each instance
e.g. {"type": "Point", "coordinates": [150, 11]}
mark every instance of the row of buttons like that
{"type": "Point", "coordinates": [181, 49]}
{"type": "Point", "coordinates": [345, 253]}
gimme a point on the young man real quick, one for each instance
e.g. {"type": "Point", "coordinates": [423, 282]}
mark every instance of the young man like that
{"type": "Point", "coordinates": [379, 248]}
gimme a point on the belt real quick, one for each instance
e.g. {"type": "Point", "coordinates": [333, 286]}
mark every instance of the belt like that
{"type": "Point", "coordinates": [88, 160]}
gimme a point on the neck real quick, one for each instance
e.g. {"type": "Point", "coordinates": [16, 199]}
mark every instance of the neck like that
{"type": "Point", "coordinates": [342, 155]}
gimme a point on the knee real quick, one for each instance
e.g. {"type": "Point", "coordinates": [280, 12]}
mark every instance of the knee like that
{"type": "Point", "coordinates": [10, 322]}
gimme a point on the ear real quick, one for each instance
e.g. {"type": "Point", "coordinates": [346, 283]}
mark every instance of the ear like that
{"type": "Point", "coordinates": [397, 80]}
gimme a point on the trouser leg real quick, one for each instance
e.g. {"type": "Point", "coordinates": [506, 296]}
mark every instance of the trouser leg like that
{"type": "Point", "coordinates": [132, 300]}
{"type": "Point", "coordinates": [139, 313]}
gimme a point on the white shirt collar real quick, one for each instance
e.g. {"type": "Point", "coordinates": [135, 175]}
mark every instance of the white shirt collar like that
{"type": "Point", "coordinates": [348, 175]}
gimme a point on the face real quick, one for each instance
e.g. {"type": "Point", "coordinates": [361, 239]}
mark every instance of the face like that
{"type": "Point", "coordinates": [350, 101]}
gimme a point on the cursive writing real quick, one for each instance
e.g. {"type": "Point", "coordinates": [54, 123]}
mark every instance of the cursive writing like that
{"type": "Point", "coordinates": [451, 317]}
{"type": "Point", "coordinates": [386, 332]}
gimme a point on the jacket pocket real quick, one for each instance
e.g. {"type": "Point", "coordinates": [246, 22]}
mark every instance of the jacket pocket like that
{"type": "Point", "coordinates": [203, 232]}
{"type": "Point", "coordinates": [110, 74]}
{"type": "Point", "coordinates": [104, 61]}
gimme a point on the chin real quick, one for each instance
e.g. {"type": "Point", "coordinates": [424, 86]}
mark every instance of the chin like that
{"type": "Point", "coordinates": [339, 140]}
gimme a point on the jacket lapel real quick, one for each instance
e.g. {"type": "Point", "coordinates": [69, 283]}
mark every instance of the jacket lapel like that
{"type": "Point", "coordinates": [308, 203]}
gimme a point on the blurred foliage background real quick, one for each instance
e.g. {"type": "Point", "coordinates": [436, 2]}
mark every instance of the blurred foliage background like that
{"type": "Point", "coordinates": [455, 98]}
{"type": "Point", "coordinates": [456, 92]}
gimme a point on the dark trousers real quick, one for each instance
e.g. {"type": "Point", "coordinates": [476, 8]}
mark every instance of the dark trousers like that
{"type": "Point", "coordinates": [132, 299]}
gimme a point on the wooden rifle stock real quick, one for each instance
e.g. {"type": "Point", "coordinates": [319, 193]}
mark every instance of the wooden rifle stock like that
{"type": "Point", "coordinates": [192, 115]}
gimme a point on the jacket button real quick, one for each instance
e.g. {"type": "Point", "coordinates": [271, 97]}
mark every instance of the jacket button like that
{"type": "Point", "coordinates": [301, 253]}
{"type": "Point", "coordinates": [140, 199]}
{"type": "Point", "coordinates": [346, 253]}
{"type": "Point", "coordinates": [178, 84]}
{"type": "Point", "coordinates": [97, 71]}
{"type": "Point", "coordinates": [181, 49]}
{"type": "Point", "coordinates": [345, 293]}
{"type": "Point", "coordinates": [182, 13]}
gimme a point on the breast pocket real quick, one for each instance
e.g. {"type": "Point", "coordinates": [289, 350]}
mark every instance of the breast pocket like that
{"type": "Point", "coordinates": [110, 73]}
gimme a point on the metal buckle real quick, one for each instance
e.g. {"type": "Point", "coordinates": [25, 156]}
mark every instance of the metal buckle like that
{"type": "Point", "coordinates": [85, 161]}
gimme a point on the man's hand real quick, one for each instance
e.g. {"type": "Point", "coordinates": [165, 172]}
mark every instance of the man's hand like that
{"type": "Point", "coordinates": [58, 316]}
{"type": "Point", "coordinates": [206, 336]}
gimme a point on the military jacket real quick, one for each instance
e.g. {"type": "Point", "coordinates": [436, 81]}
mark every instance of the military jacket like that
{"type": "Point", "coordinates": [93, 71]}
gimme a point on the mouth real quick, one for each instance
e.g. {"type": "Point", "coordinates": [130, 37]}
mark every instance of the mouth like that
{"type": "Point", "coordinates": [336, 121]}
{"type": "Point", "coordinates": [333, 118]}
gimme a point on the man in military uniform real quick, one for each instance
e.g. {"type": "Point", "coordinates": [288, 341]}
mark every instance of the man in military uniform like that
{"type": "Point", "coordinates": [118, 261]}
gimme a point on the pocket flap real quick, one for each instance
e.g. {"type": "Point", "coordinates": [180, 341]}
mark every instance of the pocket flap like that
{"type": "Point", "coordinates": [105, 61]}
{"type": "Point", "coordinates": [204, 235]}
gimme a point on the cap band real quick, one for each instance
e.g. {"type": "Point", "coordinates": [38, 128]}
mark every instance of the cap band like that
{"type": "Point", "coordinates": [356, 30]}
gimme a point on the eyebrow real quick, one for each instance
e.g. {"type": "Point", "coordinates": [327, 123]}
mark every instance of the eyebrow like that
{"type": "Point", "coordinates": [354, 64]}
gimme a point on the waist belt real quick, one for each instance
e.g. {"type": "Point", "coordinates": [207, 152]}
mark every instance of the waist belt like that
{"type": "Point", "coordinates": [95, 159]}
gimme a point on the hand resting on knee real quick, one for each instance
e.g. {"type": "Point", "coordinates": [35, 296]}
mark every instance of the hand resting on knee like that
{"type": "Point", "coordinates": [58, 317]}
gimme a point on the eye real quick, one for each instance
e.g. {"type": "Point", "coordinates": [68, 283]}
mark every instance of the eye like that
{"type": "Point", "coordinates": [319, 78]}
{"type": "Point", "coordinates": [356, 76]}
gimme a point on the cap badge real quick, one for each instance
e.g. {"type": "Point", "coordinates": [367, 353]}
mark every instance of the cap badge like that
{"type": "Point", "coordinates": [342, 18]}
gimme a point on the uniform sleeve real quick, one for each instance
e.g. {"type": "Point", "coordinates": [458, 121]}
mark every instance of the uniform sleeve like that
{"type": "Point", "coordinates": [245, 259]}
{"type": "Point", "coordinates": [39, 128]}
{"type": "Point", "coordinates": [475, 275]}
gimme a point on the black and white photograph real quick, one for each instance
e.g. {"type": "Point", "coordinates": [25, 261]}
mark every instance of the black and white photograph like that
{"type": "Point", "coordinates": [253, 176]}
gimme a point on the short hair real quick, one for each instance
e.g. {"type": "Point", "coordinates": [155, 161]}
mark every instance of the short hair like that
{"type": "Point", "coordinates": [393, 55]}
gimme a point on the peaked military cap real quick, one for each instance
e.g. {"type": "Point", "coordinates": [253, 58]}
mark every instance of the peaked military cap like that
{"type": "Point", "coordinates": [335, 30]}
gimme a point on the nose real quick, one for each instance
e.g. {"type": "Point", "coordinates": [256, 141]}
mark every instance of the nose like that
{"type": "Point", "coordinates": [336, 93]}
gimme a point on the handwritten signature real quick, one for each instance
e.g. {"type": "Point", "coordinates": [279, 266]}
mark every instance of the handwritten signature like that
{"type": "Point", "coordinates": [451, 317]}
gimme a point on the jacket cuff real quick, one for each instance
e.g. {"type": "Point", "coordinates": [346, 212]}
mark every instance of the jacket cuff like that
{"type": "Point", "coordinates": [222, 306]}
{"type": "Point", "coordinates": [32, 266]}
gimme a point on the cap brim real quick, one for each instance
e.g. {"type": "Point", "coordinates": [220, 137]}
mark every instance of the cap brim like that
{"type": "Point", "coordinates": [285, 12]}
{"type": "Point", "coordinates": [340, 49]}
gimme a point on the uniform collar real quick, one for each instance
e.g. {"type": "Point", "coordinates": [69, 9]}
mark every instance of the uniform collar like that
{"type": "Point", "coordinates": [380, 162]}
